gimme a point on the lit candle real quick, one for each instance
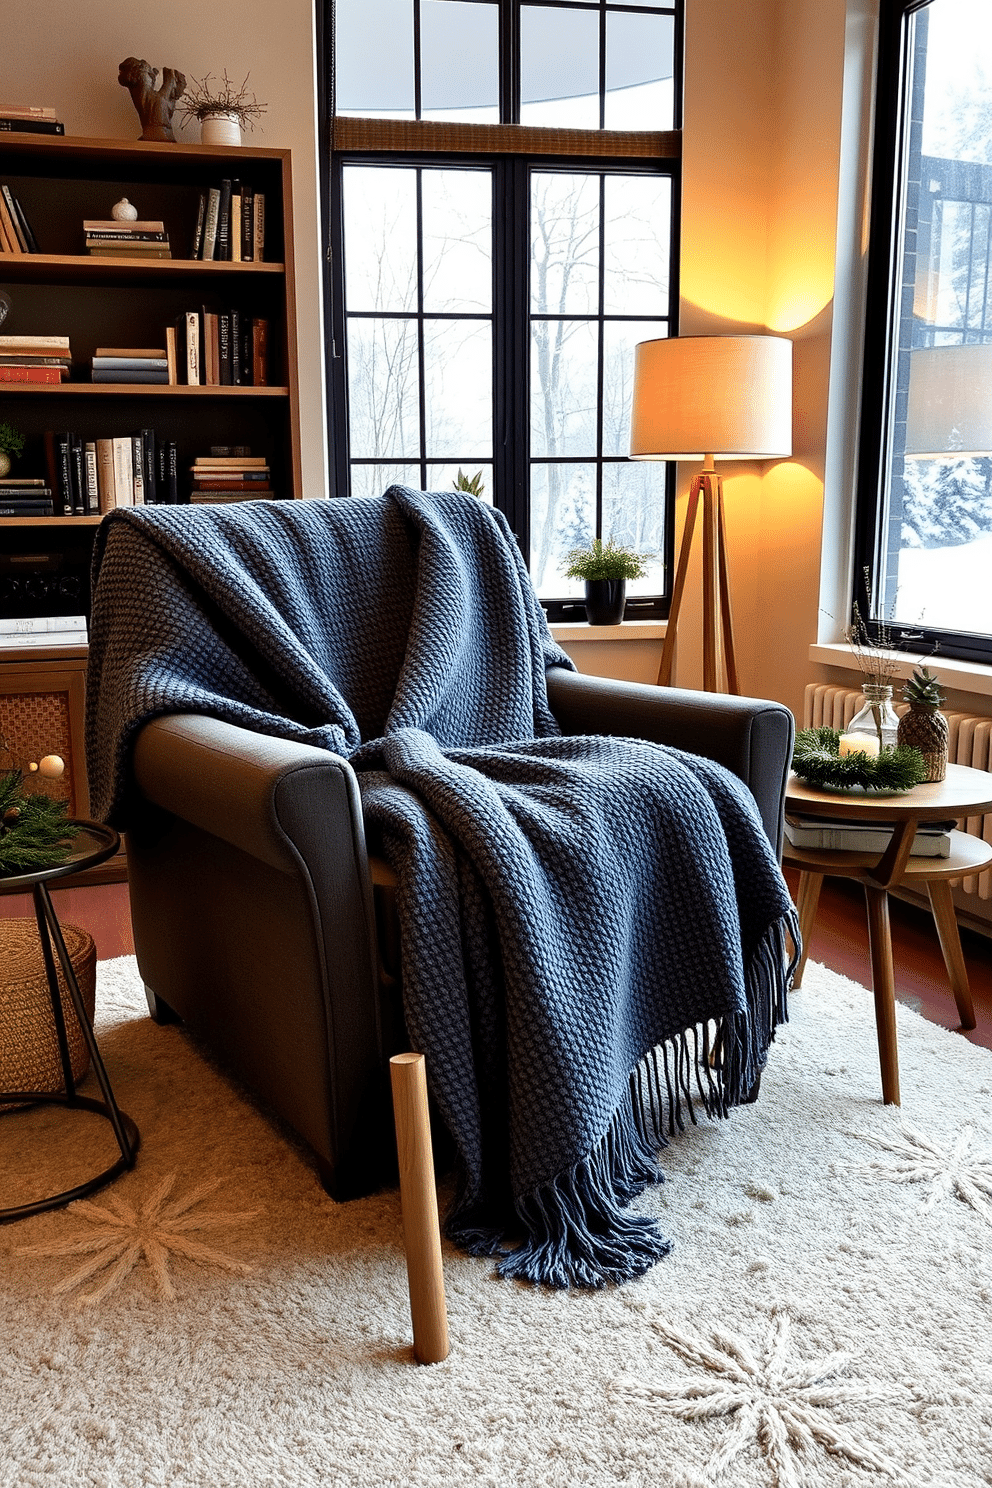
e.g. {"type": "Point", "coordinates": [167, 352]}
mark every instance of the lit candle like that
{"type": "Point", "coordinates": [859, 744]}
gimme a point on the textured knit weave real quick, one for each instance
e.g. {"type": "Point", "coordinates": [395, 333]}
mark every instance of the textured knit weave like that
{"type": "Point", "coordinates": [591, 928]}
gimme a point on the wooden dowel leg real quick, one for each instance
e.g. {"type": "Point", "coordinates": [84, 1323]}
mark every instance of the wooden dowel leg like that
{"type": "Point", "coordinates": [810, 885]}
{"type": "Point", "coordinates": [942, 904]}
{"type": "Point", "coordinates": [884, 988]}
{"type": "Point", "coordinates": [418, 1196]}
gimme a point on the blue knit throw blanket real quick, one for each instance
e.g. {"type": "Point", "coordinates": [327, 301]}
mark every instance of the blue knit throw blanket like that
{"type": "Point", "coordinates": [592, 928]}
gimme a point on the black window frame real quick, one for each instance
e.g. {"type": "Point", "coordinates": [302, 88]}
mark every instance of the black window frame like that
{"type": "Point", "coordinates": [511, 168]}
{"type": "Point", "coordinates": [896, 116]}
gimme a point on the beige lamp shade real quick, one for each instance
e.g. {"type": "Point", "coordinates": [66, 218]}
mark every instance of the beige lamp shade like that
{"type": "Point", "coordinates": [950, 402]}
{"type": "Point", "coordinates": [726, 396]}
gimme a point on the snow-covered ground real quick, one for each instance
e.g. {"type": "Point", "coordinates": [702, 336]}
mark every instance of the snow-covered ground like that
{"type": "Point", "coordinates": [947, 587]}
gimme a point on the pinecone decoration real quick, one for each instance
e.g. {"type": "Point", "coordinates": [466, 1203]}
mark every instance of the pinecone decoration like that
{"type": "Point", "coordinates": [923, 727]}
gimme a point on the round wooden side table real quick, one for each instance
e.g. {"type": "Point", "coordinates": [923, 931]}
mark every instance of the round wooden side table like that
{"type": "Point", "coordinates": [93, 844]}
{"type": "Point", "coordinates": [965, 792]}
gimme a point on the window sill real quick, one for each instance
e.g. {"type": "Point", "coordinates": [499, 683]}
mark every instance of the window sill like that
{"type": "Point", "coordinates": [627, 630]}
{"type": "Point", "coordinates": [961, 676]}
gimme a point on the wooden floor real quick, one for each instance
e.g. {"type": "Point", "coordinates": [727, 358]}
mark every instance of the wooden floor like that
{"type": "Point", "coordinates": [840, 941]}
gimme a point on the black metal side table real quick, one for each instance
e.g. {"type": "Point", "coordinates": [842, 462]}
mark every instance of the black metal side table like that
{"type": "Point", "coordinates": [93, 844]}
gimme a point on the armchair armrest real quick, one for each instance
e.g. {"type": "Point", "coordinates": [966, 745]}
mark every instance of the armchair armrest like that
{"type": "Point", "coordinates": [750, 736]}
{"type": "Point", "coordinates": [254, 920]}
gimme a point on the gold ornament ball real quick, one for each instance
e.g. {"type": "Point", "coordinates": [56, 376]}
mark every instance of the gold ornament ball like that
{"type": "Point", "coordinates": [52, 766]}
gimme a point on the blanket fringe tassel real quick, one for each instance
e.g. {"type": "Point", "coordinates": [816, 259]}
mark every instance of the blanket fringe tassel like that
{"type": "Point", "coordinates": [578, 1233]}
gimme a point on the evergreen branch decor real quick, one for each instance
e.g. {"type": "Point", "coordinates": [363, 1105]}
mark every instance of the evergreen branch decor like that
{"type": "Point", "coordinates": [34, 832]}
{"type": "Point", "coordinates": [817, 761]}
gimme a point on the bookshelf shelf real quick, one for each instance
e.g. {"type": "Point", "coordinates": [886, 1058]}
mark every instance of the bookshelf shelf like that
{"type": "Point", "coordinates": [122, 301]}
{"type": "Point", "coordinates": [134, 390]}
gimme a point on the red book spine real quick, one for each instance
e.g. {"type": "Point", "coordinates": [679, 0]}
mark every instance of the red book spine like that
{"type": "Point", "coordinates": [31, 374]}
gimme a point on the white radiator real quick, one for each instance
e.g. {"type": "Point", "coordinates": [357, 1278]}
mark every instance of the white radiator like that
{"type": "Point", "coordinates": [969, 743]}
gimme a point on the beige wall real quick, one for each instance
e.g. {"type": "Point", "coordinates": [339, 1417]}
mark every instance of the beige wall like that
{"type": "Point", "coordinates": [66, 53]}
{"type": "Point", "coordinates": [763, 104]}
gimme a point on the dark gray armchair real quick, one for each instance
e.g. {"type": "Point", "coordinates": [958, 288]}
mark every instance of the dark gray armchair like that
{"type": "Point", "coordinates": [262, 916]}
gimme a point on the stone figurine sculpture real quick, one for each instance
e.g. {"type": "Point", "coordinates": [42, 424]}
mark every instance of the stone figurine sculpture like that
{"type": "Point", "coordinates": [155, 105]}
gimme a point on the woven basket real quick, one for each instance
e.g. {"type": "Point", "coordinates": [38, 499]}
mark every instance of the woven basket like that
{"type": "Point", "coordinates": [29, 1051]}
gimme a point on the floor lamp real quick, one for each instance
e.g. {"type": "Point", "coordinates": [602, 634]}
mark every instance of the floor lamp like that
{"type": "Point", "coordinates": [710, 398]}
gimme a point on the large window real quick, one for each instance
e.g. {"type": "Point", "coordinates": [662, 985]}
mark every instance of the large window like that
{"type": "Point", "coordinates": [489, 283]}
{"type": "Point", "coordinates": [925, 493]}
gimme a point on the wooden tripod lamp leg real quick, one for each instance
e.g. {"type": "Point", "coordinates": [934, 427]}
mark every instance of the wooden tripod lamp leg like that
{"type": "Point", "coordinates": [668, 650]}
{"type": "Point", "coordinates": [418, 1196]}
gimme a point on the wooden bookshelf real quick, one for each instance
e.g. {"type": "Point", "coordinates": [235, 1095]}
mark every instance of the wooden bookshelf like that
{"type": "Point", "coordinates": [120, 301]}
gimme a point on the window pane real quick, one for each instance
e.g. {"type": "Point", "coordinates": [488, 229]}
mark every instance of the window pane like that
{"type": "Point", "coordinates": [564, 239]}
{"type": "Point", "coordinates": [619, 339]}
{"type": "Point", "coordinates": [458, 387]}
{"type": "Point", "coordinates": [635, 252]}
{"type": "Point", "coordinates": [634, 514]}
{"type": "Point", "coordinates": [459, 61]}
{"type": "Point", "coordinates": [458, 240]}
{"type": "Point", "coordinates": [563, 516]}
{"type": "Point", "coordinates": [373, 480]}
{"type": "Point", "coordinates": [384, 405]}
{"type": "Point", "coordinates": [559, 67]}
{"type": "Point", "coordinates": [564, 366]}
{"type": "Point", "coordinates": [936, 514]}
{"type": "Point", "coordinates": [443, 477]}
{"type": "Point", "coordinates": [640, 90]}
{"type": "Point", "coordinates": [380, 231]}
{"type": "Point", "coordinates": [374, 80]}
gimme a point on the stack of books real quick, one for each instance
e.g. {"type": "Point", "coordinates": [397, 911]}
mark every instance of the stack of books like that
{"type": "Point", "coordinates": [45, 359]}
{"type": "Point", "coordinates": [26, 498]}
{"type": "Point", "coordinates": [230, 473]}
{"type": "Point", "coordinates": [15, 230]}
{"type": "Point", "coordinates": [932, 839]}
{"type": "Point", "coordinates": [230, 224]}
{"type": "Point", "coordinates": [29, 118]}
{"type": "Point", "coordinates": [130, 364]}
{"type": "Point", "coordinates": [113, 239]}
{"type": "Point", "coordinates": [43, 630]}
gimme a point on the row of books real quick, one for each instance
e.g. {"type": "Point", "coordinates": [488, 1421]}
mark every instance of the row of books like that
{"type": "Point", "coordinates": [29, 118]}
{"type": "Point", "coordinates": [221, 349]}
{"type": "Point", "coordinates": [932, 839]}
{"type": "Point", "coordinates": [206, 348]}
{"type": "Point", "coordinates": [112, 239]}
{"type": "Point", "coordinates": [41, 359]}
{"type": "Point", "coordinates": [230, 224]}
{"type": "Point", "coordinates": [15, 230]}
{"type": "Point", "coordinates": [88, 477]}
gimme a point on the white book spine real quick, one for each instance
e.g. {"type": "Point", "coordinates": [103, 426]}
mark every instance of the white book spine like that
{"type": "Point", "coordinates": [123, 472]}
{"type": "Point", "coordinates": [193, 348]}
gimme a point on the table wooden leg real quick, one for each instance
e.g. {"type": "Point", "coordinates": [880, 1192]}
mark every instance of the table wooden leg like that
{"type": "Point", "coordinates": [807, 899]}
{"type": "Point", "coordinates": [884, 987]}
{"type": "Point", "coordinates": [942, 904]}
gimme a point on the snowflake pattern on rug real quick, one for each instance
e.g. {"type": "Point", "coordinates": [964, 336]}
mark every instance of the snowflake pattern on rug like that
{"type": "Point", "coordinates": [155, 1230]}
{"type": "Point", "coordinates": [946, 1168]}
{"type": "Point", "coordinates": [781, 1405]}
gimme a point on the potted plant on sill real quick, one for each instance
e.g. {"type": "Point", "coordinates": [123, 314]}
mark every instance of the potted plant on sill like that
{"type": "Point", "coordinates": [605, 569]}
{"type": "Point", "coordinates": [222, 109]}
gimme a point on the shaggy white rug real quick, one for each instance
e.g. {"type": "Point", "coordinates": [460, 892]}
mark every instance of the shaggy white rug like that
{"type": "Point", "coordinates": [213, 1319]}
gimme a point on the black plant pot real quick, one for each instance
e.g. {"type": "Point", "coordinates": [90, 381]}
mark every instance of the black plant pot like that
{"type": "Point", "coordinates": [605, 601]}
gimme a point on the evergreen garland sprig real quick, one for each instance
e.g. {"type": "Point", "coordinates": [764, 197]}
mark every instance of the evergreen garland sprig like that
{"type": "Point", "coordinates": [34, 832]}
{"type": "Point", "coordinates": [817, 761]}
